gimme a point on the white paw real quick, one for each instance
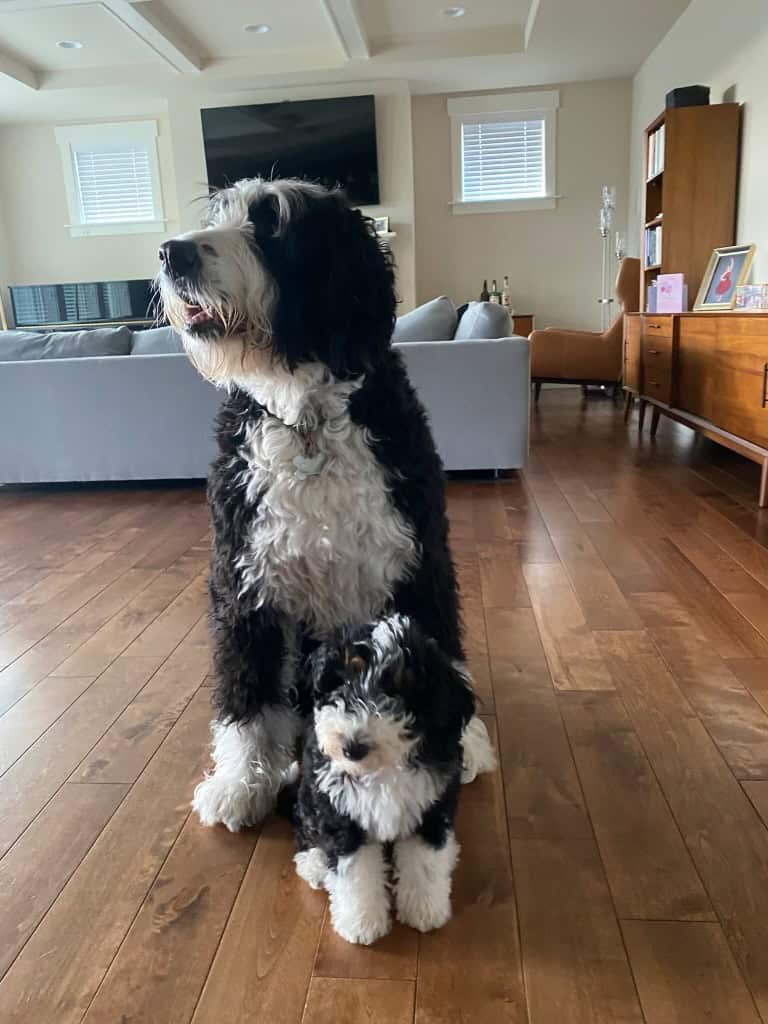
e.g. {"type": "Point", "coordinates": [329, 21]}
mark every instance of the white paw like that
{"type": "Point", "coordinates": [423, 881]}
{"type": "Point", "coordinates": [479, 755]}
{"type": "Point", "coordinates": [422, 911]}
{"type": "Point", "coordinates": [312, 866]}
{"type": "Point", "coordinates": [232, 802]}
{"type": "Point", "coordinates": [362, 926]}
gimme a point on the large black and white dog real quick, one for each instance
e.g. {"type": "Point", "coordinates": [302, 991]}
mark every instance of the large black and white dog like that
{"type": "Point", "coordinates": [327, 494]}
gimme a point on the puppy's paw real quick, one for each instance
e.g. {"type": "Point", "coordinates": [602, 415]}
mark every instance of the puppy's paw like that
{"type": "Point", "coordinates": [362, 926]}
{"type": "Point", "coordinates": [312, 866]}
{"type": "Point", "coordinates": [423, 881]}
{"type": "Point", "coordinates": [232, 802]}
{"type": "Point", "coordinates": [479, 755]}
{"type": "Point", "coordinates": [423, 911]}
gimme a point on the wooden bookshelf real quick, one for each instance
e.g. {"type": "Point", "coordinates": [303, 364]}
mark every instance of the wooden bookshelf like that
{"type": "Point", "coordinates": [689, 195]}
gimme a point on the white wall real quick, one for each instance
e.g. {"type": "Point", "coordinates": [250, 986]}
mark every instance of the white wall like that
{"type": "Point", "coordinates": [552, 256]}
{"type": "Point", "coordinates": [4, 267]}
{"type": "Point", "coordinates": [39, 246]}
{"type": "Point", "coordinates": [724, 46]}
{"type": "Point", "coordinates": [41, 250]}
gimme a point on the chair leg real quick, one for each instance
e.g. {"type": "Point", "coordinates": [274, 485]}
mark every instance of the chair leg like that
{"type": "Point", "coordinates": [641, 414]}
{"type": "Point", "coordinates": [629, 400]}
{"type": "Point", "coordinates": [536, 391]}
{"type": "Point", "coordinates": [655, 417]}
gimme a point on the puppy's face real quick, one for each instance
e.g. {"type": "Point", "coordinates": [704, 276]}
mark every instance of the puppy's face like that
{"type": "Point", "coordinates": [383, 696]}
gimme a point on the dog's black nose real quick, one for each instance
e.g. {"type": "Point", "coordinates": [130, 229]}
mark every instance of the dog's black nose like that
{"type": "Point", "coordinates": [356, 750]}
{"type": "Point", "coordinates": [179, 257]}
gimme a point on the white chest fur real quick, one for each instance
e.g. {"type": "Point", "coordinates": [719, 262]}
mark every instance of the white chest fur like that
{"type": "Point", "coordinates": [326, 544]}
{"type": "Point", "coordinates": [388, 805]}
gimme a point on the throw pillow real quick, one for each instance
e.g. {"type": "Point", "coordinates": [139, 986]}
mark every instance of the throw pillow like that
{"type": "Point", "coordinates": [158, 341]}
{"type": "Point", "coordinates": [98, 341]}
{"type": "Point", "coordinates": [484, 320]}
{"type": "Point", "coordinates": [434, 321]}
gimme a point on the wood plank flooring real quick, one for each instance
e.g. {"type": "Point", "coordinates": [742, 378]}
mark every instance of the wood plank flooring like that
{"type": "Point", "coordinates": [613, 869]}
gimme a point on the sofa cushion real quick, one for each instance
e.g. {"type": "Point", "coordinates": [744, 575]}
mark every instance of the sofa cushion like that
{"type": "Point", "coordinates": [484, 320]}
{"type": "Point", "coordinates": [14, 345]}
{"type": "Point", "coordinates": [98, 341]}
{"type": "Point", "coordinates": [434, 321]}
{"type": "Point", "coordinates": [158, 341]}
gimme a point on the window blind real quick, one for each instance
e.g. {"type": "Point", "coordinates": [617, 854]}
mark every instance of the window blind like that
{"type": "Point", "coordinates": [114, 185]}
{"type": "Point", "coordinates": [502, 160]}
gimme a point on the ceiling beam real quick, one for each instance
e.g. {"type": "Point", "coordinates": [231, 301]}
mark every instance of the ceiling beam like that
{"type": "Point", "coordinates": [135, 17]}
{"type": "Point", "coordinates": [165, 42]}
{"type": "Point", "coordinates": [18, 72]}
{"type": "Point", "coordinates": [530, 21]}
{"type": "Point", "coordinates": [347, 23]}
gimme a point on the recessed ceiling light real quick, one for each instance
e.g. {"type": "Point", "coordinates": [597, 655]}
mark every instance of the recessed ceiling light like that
{"type": "Point", "coordinates": [258, 29]}
{"type": "Point", "coordinates": [454, 12]}
{"type": "Point", "coordinates": [69, 44]}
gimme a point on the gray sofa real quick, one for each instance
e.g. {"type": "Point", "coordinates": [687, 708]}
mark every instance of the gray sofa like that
{"type": "Point", "coordinates": [131, 407]}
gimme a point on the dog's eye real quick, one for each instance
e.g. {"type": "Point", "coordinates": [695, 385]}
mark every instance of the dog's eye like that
{"type": "Point", "coordinates": [207, 247]}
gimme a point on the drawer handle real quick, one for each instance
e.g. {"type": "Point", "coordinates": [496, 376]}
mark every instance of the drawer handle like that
{"type": "Point", "coordinates": [765, 380]}
{"type": "Point", "coordinates": [656, 384]}
{"type": "Point", "coordinates": [654, 352]}
{"type": "Point", "coordinates": [654, 327]}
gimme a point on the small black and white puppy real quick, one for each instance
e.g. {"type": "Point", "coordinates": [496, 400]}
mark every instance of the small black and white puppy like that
{"type": "Point", "coordinates": [382, 767]}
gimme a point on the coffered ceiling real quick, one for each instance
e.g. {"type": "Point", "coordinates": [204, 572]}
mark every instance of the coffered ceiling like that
{"type": "Point", "coordinates": [60, 53]}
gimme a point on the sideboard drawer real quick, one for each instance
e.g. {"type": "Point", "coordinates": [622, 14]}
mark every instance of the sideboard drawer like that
{"type": "Point", "coordinates": [658, 326]}
{"type": "Point", "coordinates": [657, 382]}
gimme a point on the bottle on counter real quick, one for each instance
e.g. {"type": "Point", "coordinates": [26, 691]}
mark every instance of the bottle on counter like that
{"type": "Point", "coordinates": [484, 296]}
{"type": "Point", "coordinates": [506, 299]}
{"type": "Point", "coordinates": [495, 295]}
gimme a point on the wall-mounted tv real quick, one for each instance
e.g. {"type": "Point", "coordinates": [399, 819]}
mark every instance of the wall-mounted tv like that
{"type": "Point", "coordinates": [331, 141]}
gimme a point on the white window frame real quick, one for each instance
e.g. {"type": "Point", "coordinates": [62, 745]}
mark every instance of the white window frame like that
{"type": "Point", "coordinates": [81, 136]}
{"type": "Point", "coordinates": [522, 106]}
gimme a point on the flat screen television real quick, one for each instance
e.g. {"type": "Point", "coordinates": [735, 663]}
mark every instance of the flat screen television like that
{"type": "Point", "coordinates": [331, 141]}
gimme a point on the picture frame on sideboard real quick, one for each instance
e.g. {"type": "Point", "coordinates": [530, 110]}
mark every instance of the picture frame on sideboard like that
{"type": "Point", "coordinates": [728, 267]}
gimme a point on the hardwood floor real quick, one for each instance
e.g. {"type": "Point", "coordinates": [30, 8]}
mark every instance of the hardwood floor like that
{"type": "Point", "coordinates": [614, 868]}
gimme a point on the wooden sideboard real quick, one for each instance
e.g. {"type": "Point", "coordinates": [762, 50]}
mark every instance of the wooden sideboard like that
{"type": "Point", "coordinates": [706, 370]}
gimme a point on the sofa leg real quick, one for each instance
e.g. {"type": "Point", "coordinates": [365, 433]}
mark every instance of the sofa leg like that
{"type": "Point", "coordinates": [536, 390]}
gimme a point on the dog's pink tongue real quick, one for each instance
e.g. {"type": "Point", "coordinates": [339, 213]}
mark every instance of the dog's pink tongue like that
{"type": "Point", "coordinates": [196, 315]}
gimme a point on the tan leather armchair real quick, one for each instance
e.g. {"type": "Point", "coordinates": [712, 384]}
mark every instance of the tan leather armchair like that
{"type": "Point", "coordinates": [587, 357]}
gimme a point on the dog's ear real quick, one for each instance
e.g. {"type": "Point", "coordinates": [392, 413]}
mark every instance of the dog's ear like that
{"type": "Point", "coordinates": [444, 691]}
{"type": "Point", "coordinates": [325, 669]}
{"type": "Point", "coordinates": [264, 214]}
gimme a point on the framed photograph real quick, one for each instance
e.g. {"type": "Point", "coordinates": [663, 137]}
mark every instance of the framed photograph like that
{"type": "Point", "coordinates": [381, 225]}
{"type": "Point", "coordinates": [728, 268]}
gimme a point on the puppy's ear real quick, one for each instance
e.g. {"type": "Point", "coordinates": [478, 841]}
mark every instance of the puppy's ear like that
{"type": "Point", "coordinates": [325, 669]}
{"type": "Point", "coordinates": [445, 692]}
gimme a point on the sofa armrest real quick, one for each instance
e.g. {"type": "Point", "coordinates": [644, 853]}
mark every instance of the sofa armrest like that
{"type": "Point", "coordinates": [477, 395]}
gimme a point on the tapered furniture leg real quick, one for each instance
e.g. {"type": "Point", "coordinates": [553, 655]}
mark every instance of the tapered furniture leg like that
{"type": "Point", "coordinates": [536, 390]}
{"type": "Point", "coordinates": [763, 499]}
{"type": "Point", "coordinates": [629, 399]}
{"type": "Point", "coordinates": [655, 417]}
{"type": "Point", "coordinates": [641, 414]}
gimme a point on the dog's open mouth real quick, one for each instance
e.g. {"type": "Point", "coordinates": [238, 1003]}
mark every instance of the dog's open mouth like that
{"type": "Point", "coordinates": [200, 320]}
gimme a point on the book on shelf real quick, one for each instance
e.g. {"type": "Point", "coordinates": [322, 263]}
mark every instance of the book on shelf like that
{"type": "Point", "coordinates": [656, 152]}
{"type": "Point", "coordinates": [653, 246]}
